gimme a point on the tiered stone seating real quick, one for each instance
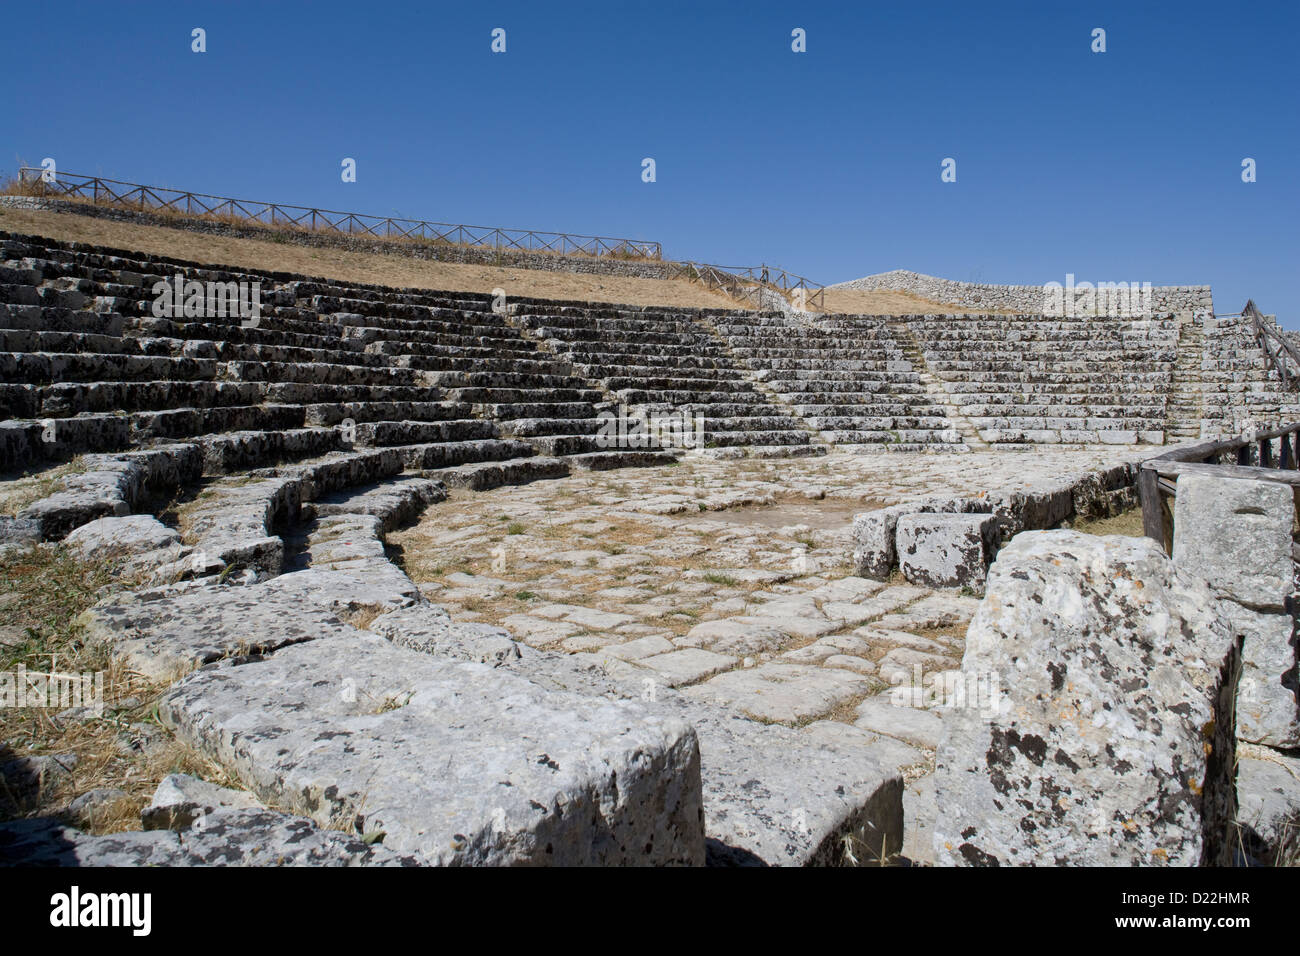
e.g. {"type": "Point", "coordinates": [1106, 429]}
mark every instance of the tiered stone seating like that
{"type": "Point", "coordinates": [1032, 379]}
{"type": "Point", "coordinates": [846, 377]}
{"type": "Point", "coordinates": [325, 369]}
{"type": "Point", "coordinates": [1240, 388]}
{"type": "Point", "coordinates": [656, 361]}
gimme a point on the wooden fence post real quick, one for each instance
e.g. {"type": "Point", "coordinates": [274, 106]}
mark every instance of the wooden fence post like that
{"type": "Point", "coordinates": [1153, 519]}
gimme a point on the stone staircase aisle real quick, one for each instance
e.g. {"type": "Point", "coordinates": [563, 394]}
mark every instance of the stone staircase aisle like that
{"type": "Point", "coordinates": [817, 445]}
{"type": "Point", "coordinates": [934, 387]}
{"type": "Point", "coordinates": [1186, 398]}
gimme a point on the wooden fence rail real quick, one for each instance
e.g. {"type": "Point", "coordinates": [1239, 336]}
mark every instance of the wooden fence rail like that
{"type": "Point", "coordinates": [113, 192]}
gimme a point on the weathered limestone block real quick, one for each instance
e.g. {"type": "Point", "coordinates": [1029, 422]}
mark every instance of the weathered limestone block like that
{"type": "Point", "coordinates": [430, 629]}
{"type": "Point", "coordinates": [1043, 506]}
{"type": "Point", "coordinates": [873, 541]}
{"type": "Point", "coordinates": [946, 550]}
{"type": "Point", "coordinates": [181, 799]}
{"type": "Point", "coordinates": [826, 794]}
{"type": "Point", "coordinates": [1110, 741]}
{"type": "Point", "coordinates": [354, 544]}
{"type": "Point", "coordinates": [1101, 494]}
{"type": "Point", "coordinates": [456, 763]}
{"type": "Point", "coordinates": [166, 632]}
{"type": "Point", "coordinates": [127, 535]}
{"type": "Point", "coordinates": [782, 693]}
{"type": "Point", "coordinates": [1117, 437]}
{"type": "Point", "coordinates": [1267, 711]}
{"type": "Point", "coordinates": [231, 526]}
{"type": "Point", "coordinates": [874, 533]}
{"type": "Point", "coordinates": [1235, 535]}
{"type": "Point", "coordinates": [111, 485]}
{"type": "Point", "coordinates": [19, 530]}
{"type": "Point", "coordinates": [396, 502]}
{"type": "Point", "coordinates": [1268, 790]}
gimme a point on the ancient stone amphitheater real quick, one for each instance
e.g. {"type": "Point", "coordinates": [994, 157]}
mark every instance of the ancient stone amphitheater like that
{"type": "Point", "coordinates": [380, 565]}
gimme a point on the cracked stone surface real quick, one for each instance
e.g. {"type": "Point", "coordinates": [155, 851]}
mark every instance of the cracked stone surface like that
{"type": "Point", "coordinates": [1107, 736]}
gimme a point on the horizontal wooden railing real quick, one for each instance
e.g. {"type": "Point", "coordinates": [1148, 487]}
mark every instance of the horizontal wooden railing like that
{"type": "Point", "coordinates": [112, 192]}
{"type": "Point", "coordinates": [741, 282]}
{"type": "Point", "coordinates": [1252, 456]}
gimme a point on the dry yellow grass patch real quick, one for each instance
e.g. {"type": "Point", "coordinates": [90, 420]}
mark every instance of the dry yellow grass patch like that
{"type": "Point", "coordinates": [1128, 524]}
{"type": "Point", "coordinates": [43, 590]}
{"type": "Point", "coordinates": [888, 302]}
{"type": "Point", "coordinates": [393, 270]}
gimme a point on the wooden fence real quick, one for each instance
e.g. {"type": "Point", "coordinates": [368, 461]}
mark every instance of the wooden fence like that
{"type": "Point", "coordinates": [1252, 456]}
{"type": "Point", "coordinates": [740, 282]}
{"type": "Point", "coordinates": [111, 192]}
{"type": "Point", "coordinates": [746, 283]}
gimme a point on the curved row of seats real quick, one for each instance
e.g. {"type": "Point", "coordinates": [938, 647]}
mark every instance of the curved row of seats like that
{"type": "Point", "coordinates": [452, 381]}
{"type": "Point", "coordinates": [327, 366]}
{"type": "Point", "coordinates": [658, 361]}
{"type": "Point", "coordinates": [1031, 378]}
{"type": "Point", "coordinates": [847, 377]}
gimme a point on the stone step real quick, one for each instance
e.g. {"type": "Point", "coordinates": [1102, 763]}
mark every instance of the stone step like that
{"type": "Point", "coordinates": [873, 423]}
{"type": "Point", "coordinates": [395, 502]}
{"type": "Point", "coordinates": [607, 459]}
{"type": "Point", "coordinates": [482, 476]}
{"type": "Point", "coordinates": [535, 427]}
{"type": "Point", "coordinates": [43, 368]}
{"type": "Point", "coordinates": [436, 455]}
{"type": "Point", "coordinates": [112, 485]}
{"type": "Point", "coordinates": [532, 410]}
{"type": "Point", "coordinates": [311, 393]}
{"type": "Point", "coordinates": [515, 380]}
{"type": "Point", "coordinates": [672, 397]}
{"type": "Point", "coordinates": [517, 396]}
{"type": "Point", "coordinates": [332, 413]}
{"type": "Point", "coordinates": [188, 422]}
{"type": "Point", "coordinates": [433, 362]}
{"type": "Point", "coordinates": [387, 433]}
{"type": "Point", "coordinates": [320, 373]}
{"type": "Point", "coordinates": [36, 318]}
{"type": "Point", "coordinates": [900, 436]}
{"type": "Point", "coordinates": [756, 437]}
{"type": "Point", "coordinates": [225, 454]}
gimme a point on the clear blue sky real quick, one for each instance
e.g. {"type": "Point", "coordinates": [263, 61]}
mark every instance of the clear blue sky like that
{"type": "Point", "coordinates": [1117, 166]}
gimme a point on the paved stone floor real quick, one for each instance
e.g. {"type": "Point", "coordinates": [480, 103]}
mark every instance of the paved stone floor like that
{"type": "Point", "coordinates": [729, 579]}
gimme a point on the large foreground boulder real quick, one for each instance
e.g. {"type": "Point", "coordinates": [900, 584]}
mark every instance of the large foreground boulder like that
{"type": "Point", "coordinates": [1111, 739]}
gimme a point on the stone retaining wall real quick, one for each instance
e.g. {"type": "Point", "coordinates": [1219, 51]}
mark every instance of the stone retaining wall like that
{"type": "Point", "coordinates": [1022, 298]}
{"type": "Point", "coordinates": [940, 551]}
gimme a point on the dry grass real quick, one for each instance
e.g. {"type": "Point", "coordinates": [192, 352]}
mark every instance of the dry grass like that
{"type": "Point", "coordinates": [890, 302]}
{"type": "Point", "coordinates": [274, 231]}
{"type": "Point", "coordinates": [42, 592]}
{"type": "Point", "coordinates": [1128, 524]}
{"type": "Point", "coordinates": [17, 492]}
{"type": "Point", "coordinates": [393, 270]}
